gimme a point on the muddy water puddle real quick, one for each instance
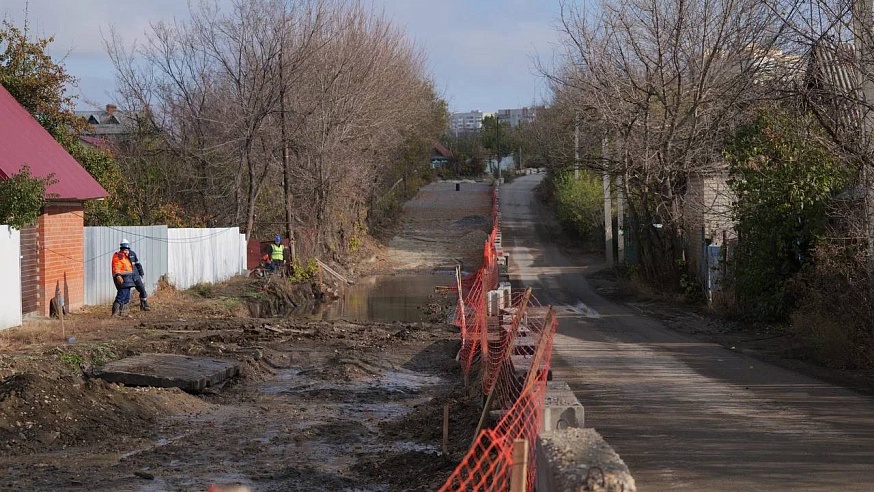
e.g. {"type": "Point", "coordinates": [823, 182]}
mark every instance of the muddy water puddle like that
{"type": "Point", "coordinates": [368, 388]}
{"type": "Point", "coordinates": [341, 417]}
{"type": "Point", "coordinates": [383, 298]}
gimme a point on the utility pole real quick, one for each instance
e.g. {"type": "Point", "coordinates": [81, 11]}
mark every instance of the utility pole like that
{"type": "Point", "coordinates": [576, 146]}
{"type": "Point", "coordinates": [862, 25]}
{"type": "Point", "coordinates": [620, 219]}
{"type": "Point", "coordinates": [498, 145]}
{"type": "Point", "coordinates": [608, 212]}
{"type": "Point", "coordinates": [286, 171]}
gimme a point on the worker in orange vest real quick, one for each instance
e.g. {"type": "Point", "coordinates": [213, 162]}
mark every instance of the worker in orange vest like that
{"type": "Point", "coordinates": [123, 278]}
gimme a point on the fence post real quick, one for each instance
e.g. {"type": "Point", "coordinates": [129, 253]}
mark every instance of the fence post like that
{"type": "Point", "coordinates": [519, 474]}
{"type": "Point", "coordinates": [446, 428]}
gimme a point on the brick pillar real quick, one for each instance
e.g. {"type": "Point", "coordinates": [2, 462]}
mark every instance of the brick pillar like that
{"type": "Point", "coordinates": [30, 270]}
{"type": "Point", "coordinates": [53, 256]}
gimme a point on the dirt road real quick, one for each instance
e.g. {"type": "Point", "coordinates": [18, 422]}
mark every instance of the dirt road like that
{"type": "Point", "coordinates": [320, 406]}
{"type": "Point", "coordinates": [685, 414]}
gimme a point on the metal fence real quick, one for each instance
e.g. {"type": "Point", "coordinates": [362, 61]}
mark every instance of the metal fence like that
{"type": "Point", "coordinates": [205, 255]}
{"type": "Point", "coordinates": [10, 272]}
{"type": "Point", "coordinates": [183, 256]}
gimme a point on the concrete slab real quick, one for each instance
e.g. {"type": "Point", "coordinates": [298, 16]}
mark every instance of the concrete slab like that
{"type": "Point", "coordinates": [193, 374]}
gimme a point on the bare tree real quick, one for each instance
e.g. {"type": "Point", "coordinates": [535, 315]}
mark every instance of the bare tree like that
{"type": "Point", "coordinates": [666, 80]}
{"type": "Point", "coordinates": [322, 94]}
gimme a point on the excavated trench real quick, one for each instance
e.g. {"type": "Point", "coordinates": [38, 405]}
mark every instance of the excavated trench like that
{"type": "Point", "coordinates": [404, 298]}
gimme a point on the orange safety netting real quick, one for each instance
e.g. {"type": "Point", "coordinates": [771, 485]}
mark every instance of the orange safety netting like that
{"type": "Point", "coordinates": [471, 314]}
{"type": "Point", "coordinates": [513, 349]}
{"type": "Point", "coordinates": [488, 464]}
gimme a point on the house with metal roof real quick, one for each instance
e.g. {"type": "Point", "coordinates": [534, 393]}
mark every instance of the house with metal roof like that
{"type": "Point", "coordinates": [708, 201]}
{"type": "Point", "coordinates": [52, 250]}
{"type": "Point", "coordinates": [109, 124]}
{"type": "Point", "coordinates": [440, 155]}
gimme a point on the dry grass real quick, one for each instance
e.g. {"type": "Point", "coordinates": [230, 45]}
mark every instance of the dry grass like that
{"type": "Point", "coordinates": [37, 333]}
{"type": "Point", "coordinates": [724, 303]}
{"type": "Point", "coordinates": [93, 323]}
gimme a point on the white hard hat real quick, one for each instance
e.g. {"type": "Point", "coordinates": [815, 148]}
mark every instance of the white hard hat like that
{"type": "Point", "coordinates": [125, 244]}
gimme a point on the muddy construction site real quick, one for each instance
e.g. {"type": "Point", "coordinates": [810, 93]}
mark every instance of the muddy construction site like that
{"type": "Point", "coordinates": [350, 405]}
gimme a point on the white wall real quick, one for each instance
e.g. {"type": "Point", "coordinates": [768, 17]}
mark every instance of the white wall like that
{"type": "Point", "coordinates": [10, 273]}
{"type": "Point", "coordinates": [204, 255]}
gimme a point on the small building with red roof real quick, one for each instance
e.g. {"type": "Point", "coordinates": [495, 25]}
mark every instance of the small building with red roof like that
{"type": "Point", "coordinates": [440, 155]}
{"type": "Point", "coordinates": [52, 250]}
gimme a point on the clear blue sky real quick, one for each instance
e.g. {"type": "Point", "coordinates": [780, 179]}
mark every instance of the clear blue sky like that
{"type": "Point", "coordinates": [480, 52]}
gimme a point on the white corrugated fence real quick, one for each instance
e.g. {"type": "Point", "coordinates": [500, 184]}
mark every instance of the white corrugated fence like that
{"type": "Point", "coordinates": [10, 272]}
{"type": "Point", "coordinates": [204, 255]}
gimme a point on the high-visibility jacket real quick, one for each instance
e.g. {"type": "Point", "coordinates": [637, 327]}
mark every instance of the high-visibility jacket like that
{"type": "Point", "coordinates": [277, 252]}
{"type": "Point", "coordinates": [121, 264]}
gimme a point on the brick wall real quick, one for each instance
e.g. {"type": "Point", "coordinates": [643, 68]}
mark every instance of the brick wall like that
{"type": "Point", "coordinates": [707, 205]}
{"type": "Point", "coordinates": [53, 256]}
{"type": "Point", "coordinates": [30, 272]}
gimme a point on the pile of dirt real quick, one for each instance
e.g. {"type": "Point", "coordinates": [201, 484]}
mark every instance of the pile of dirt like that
{"type": "Point", "coordinates": [470, 246]}
{"type": "Point", "coordinates": [39, 414]}
{"type": "Point", "coordinates": [481, 222]}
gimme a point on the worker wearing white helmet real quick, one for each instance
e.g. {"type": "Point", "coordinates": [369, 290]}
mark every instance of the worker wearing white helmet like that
{"type": "Point", "coordinates": [138, 277]}
{"type": "Point", "coordinates": [127, 273]}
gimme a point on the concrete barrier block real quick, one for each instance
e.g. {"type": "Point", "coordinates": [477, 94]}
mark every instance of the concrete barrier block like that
{"type": "Point", "coordinates": [493, 302]}
{"type": "Point", "coordinates": [522, 364]}
{"type": "Point", "coordinates": [557, 386]}
{"type": "Point", "coordinates": [507, 293]}
{"type": "Point", "coordinates": [561, 408]}
{"type": "Point", "coordinates": [524, 346]}
{"type": "Point", "coordinates": [507, 320]}
{"type": "Point", "coordinates": [580, 460]}
{"type": "Point", "coordinates": [503, 260]}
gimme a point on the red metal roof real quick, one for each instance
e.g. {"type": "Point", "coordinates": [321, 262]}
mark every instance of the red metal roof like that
{"type": "Point", "coordinates": [442, 150]}
{"type": "Point", "coordinates": [24, 141]}
{"type": "Point", "coordinates": [98, 142]}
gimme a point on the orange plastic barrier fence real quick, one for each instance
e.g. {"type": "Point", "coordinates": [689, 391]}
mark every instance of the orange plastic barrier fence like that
{"type": "Point", "coordinates": [488, 464]}
{"type": "Point", "coordinates": [513, 374]}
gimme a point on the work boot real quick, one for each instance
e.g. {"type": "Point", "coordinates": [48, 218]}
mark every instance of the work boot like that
{"type": "Point", "coordinates": [124, 312]}
{"type": "Point", "coordinates": [144, 305]}
{"type": "Point", "coordinates": [116, 309]}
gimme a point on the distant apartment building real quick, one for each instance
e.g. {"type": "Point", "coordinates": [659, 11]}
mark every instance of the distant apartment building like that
{"type": "Point", "coordinates": [473, 120]}
{"type": "Point", "coordinates": [515, 117]}
{"type": "Point", "coordinates": [466, 122]}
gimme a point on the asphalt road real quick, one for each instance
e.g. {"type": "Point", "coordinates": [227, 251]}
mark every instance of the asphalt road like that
{"type": "Point", "coordinates": [683, 414]}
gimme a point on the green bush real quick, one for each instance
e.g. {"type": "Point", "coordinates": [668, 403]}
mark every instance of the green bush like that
{"type": "Point", "coordinates": [22, 197]}
{"type": "Point", "coordinates": [301, 272]}
{"type": "Point", "coordinates": [579, 204]}
{"type": "Point", "coordinates": [783, 179]}
{"type": "Point", "coordinates": [202, 289]}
